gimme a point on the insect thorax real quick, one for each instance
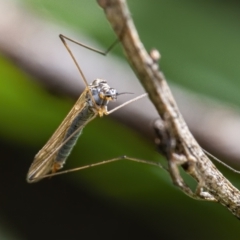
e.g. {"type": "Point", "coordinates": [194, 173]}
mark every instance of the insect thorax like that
{"type": "Point", "coordinates": [102, 93]}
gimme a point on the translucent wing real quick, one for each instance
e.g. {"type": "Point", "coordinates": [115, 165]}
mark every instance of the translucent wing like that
{"type": "Point", "coordinates": [44, 160]}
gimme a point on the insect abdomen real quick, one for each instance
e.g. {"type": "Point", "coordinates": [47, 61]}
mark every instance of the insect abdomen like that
{"type": "Point", "coordinates": [78, 123]}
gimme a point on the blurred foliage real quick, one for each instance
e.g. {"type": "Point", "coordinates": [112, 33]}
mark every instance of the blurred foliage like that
{"type": "Point", "coordinates": [198, 42]}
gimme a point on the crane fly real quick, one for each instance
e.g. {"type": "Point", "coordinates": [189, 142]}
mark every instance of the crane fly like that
{"type": "Point", "coordinates": [92, 102]}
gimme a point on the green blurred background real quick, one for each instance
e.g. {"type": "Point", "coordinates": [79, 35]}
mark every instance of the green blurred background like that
{"type": "Point", "coordinates": [199, 45]}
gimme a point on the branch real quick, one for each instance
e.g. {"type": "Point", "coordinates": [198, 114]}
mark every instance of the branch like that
{"type": "Point", "coordinates": [184, 150]}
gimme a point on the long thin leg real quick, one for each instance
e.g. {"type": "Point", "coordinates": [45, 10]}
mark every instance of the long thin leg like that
{"type": "Point", "coordinates": [104, 53]}
{"type": "Point", "coordinates": [126, 103]}
{"type": "Point", "coordinates": [221, 162]}
{"type": "Point", "coordinates": [157, 164]}
{"type": "Point", "coordinates": [62, 37]}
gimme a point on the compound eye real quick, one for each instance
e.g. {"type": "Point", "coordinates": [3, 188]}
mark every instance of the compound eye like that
{"type": "Point", "coordinates": [113, 91]}
{"type": "Point", "coordinates": [111, 94]}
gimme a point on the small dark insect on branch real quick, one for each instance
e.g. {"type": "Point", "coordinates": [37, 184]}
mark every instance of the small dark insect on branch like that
{"type": "Point", "coordinates": [181, 149]}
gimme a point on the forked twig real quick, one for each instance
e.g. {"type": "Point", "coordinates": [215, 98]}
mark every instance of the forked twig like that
{"type": "Point", "coordinates": [185, 151]}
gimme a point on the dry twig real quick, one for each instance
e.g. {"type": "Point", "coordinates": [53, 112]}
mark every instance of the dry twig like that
{"type": "Point", "coordinates": [184, 150]}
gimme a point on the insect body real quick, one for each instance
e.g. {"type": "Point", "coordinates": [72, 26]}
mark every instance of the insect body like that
{"type": "Point", "coordinates": [92, 102]}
